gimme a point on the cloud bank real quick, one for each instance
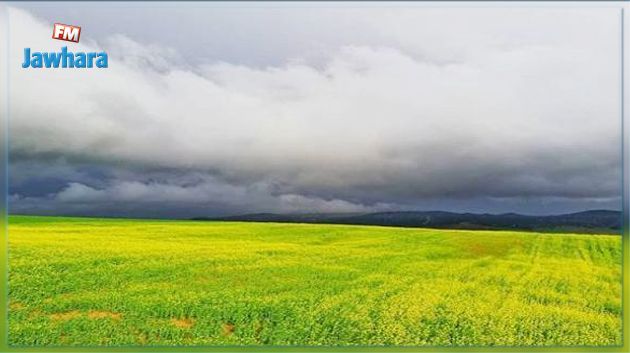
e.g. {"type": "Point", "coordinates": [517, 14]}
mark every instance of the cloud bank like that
{"type": "Point", "coordinates": [510, 112]}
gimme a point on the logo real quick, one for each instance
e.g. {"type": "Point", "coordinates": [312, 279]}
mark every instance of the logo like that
{"type": "Point", "coordinates": [68, 33]}
{"type": "Point", "coordinates": [64, 58]}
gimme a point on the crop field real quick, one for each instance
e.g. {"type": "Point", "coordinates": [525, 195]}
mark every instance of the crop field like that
{"type": "Point", "coordinates": [82, 281]}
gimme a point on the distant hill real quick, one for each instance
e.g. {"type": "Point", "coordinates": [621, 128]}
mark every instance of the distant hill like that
{"type": "Point", "coordinates": [595, 221]}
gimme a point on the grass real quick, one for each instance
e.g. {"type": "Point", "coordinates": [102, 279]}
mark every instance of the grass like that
{"type": "Point", "coordinates": [78, 281]}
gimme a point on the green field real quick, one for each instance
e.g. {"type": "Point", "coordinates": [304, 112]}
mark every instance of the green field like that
{"type": "Point", "coordinates": [86, 281]}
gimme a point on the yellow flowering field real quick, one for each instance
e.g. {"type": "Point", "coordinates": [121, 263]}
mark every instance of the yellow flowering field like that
{"type": "Point", "coordinates": [88, 281]}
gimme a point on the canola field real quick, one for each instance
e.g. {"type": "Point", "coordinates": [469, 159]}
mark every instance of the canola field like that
{"type": "Point", "coordinates": [81, 281]}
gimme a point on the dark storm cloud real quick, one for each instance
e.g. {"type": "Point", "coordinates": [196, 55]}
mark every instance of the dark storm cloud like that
{"type": "Point", "coordinates": [504, 110]}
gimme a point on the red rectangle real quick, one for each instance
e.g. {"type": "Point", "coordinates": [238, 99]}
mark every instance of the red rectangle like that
{"type": "Point", "coordinates": [65, 32]}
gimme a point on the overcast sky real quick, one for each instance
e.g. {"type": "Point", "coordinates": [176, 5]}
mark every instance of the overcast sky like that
{"type": "Point", "coordinates": [214, 109]}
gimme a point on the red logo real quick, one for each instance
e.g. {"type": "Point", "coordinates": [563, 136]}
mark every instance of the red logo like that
{"type": "Point", "coordinates": [66, 32]}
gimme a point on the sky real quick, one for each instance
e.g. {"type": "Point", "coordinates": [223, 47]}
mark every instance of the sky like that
{"type": "Point", "coordinates": [213, 109]}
